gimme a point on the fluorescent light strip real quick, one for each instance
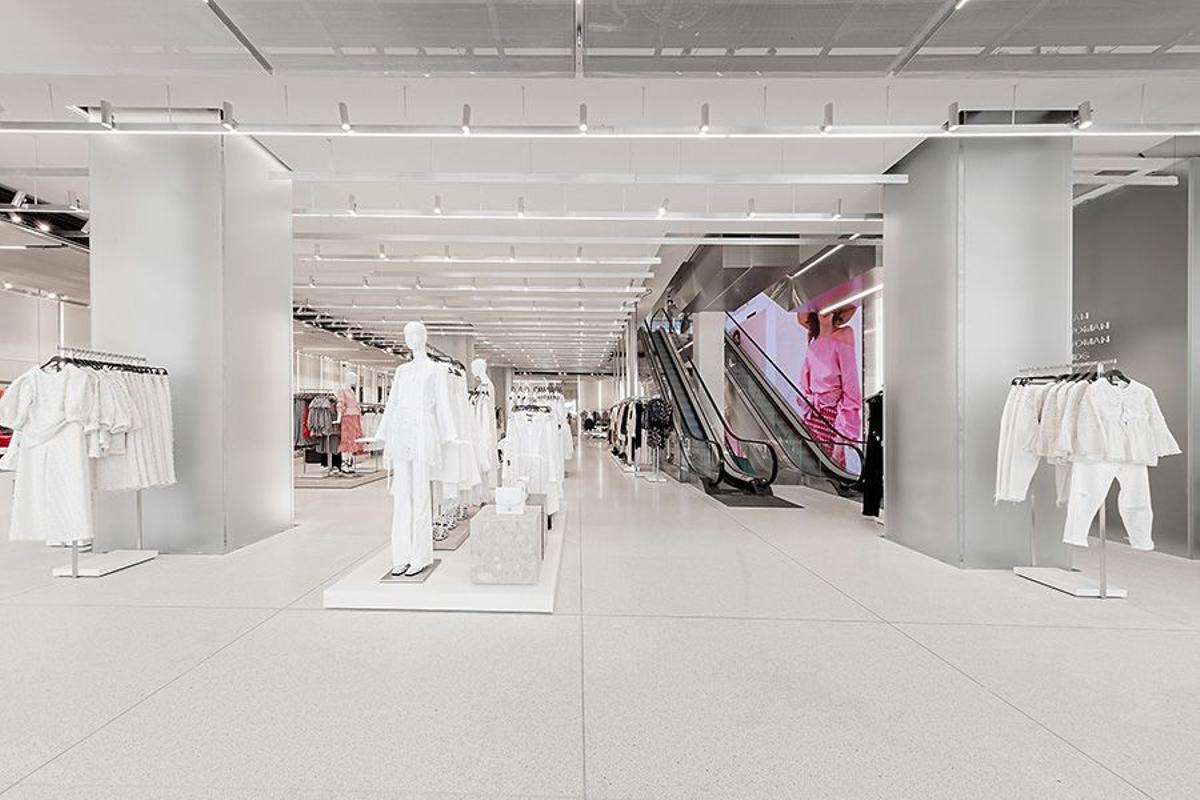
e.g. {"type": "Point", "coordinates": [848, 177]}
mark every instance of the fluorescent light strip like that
{"type": "Point", "coordinates": [532, 260]}
{"type": "Point", "coordinates": [516, 239]}
{"type": "Point", "coordinates": [607, 178]}
{"type": "Point", "coordinates": [304, 287]}
{"type": "Point", "coordinates": [852, 298]}
{"type": "Point", "coordinates": [488, 274]}
{"type": "Point", "coordinates": [570, 310]}
{"type": "Point", "coordinates": [883, 131]}
{"type": "Point", "coordinates": [822, 257]}
{"type": "Point", "coordinates": [588, 216]}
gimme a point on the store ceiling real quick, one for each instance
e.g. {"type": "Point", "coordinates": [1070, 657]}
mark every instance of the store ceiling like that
{"type": "Point", "coordinates": [522, 285]}
{"type": "Point", "coordinates": [643, 37]}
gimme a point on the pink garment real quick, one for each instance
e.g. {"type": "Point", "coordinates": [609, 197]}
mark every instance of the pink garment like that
{"type": "Point", "coordinates": [351, 416]}
{"type": "Point", "coordinates": [830, 383]}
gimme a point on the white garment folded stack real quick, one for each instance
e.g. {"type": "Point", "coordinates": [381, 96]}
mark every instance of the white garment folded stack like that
{"type": "Point", "coordinates": [1094, 429]}
{"type": "Point", "coordinates": [78, 428]}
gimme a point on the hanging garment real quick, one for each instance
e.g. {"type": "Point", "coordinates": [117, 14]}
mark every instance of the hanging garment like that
{"type": "Point", "coordinates": [52, 495]}
{"type": "Point", "coordinates": [1090, 481]}
{"type": "Point", "coordinates": [1122, 423]}
{"type": "Point", "coordinates": [350, 429]}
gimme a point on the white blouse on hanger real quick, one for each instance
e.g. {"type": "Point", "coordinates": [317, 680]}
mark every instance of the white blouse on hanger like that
{"type": "Point", "coordinates": [1122, 423]}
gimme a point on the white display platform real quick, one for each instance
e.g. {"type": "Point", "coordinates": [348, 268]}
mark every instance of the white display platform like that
{"type": "Point", "coordinates": [97, 565]}
{"type": "Point", "coordinates": [1070, 581]}
{"type": "Point", "coordinates": [448, 589]}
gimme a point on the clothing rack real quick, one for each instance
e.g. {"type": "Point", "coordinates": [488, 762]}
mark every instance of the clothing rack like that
{"type": "Point", "coordinates": [1070, 581]}
{"type": "Point", "coordinates": [101, 564]}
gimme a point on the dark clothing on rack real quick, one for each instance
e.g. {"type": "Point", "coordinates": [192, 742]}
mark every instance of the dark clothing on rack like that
{"type": "Point", "coordinates": [872, 472]}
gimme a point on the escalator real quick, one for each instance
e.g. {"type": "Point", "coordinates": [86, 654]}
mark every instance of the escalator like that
{"type": "Point", "coordinates": [804, 451]}
{"type": "Point", "coordinates": [724, 462]}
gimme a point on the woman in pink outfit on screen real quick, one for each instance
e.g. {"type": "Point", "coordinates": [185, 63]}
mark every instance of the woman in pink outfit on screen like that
{"type": "Point", "coordinates": [829, 381]}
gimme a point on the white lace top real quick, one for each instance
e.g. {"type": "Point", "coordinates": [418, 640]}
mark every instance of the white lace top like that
{"type": "Point", "coordinates": [1122, 423]}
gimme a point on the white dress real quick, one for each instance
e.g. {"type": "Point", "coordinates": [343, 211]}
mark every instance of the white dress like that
{"type": "Point", "coordinates": [52, 498]}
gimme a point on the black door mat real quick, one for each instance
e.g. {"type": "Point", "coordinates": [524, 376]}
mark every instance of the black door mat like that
{"type": "Point", "coordinates": [755, 501]}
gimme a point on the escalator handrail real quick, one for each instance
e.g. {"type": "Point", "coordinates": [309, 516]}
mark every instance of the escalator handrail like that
{"type": "Point", "coordinates": [729, 432]}
{"type": "Point", "coordinates": [774, 471]}
{"type": "Point", "coordinates": [677, 422]}
{"type": "Point", "coordinates": [854, 444]}
{"type": "Point", "coordinates": [736, 354]}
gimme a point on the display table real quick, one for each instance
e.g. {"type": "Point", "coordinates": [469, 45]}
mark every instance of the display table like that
{"type": "Point", "coordinates": [507, 548]}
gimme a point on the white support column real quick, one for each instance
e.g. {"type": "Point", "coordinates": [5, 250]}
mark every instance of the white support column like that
{"type": "Point", "coordinates": [977, 254]}
{"type": "Point", "coordinates": [191, 267]}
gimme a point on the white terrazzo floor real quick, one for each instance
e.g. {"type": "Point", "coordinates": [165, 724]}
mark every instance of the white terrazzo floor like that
{"type": "Point", "coordinates": [698, 651]}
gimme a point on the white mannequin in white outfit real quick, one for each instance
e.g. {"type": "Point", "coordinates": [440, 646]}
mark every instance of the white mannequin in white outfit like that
{"type": "Point", "coordinates": [417, 422]}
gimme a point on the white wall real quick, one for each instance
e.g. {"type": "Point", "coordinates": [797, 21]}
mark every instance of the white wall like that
{"type": "Point", "coordinates": [29, 332]}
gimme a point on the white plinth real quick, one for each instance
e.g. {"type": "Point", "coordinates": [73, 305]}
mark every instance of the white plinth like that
{"type": "Point", "coordinates": [97, 565]}
{"type": "Point", "coordinates": [1069, 581]}
{"type": "Point", "coordinates": [448, 589]}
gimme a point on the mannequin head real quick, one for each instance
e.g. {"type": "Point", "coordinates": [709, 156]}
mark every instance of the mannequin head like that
{"type": "Point", "coordinates": [479, 369]}
{"type": "Point", "coordinates": [351, 379]}
{"type": "Point", "coordinates": [415, 337]}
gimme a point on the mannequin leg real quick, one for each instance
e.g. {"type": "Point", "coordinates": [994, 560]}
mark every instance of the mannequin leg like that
{"type": "Point", "coordinates": [402, 514]}
{"type": "Point", "coordinates": [421, 529]}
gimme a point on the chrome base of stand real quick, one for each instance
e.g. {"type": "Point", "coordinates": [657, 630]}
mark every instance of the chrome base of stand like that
{"type": "Point", "coordinates": [97, 565]}
{"type": "Point", "coordinates": [1070, 582]}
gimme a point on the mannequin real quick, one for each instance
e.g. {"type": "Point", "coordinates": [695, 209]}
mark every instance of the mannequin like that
{"type": "Point", "coordinates": [417, 423]}
{"type": "Point", "coordinates": [485, 426]}
{"type": "Point", "coordinates": [350, 422]}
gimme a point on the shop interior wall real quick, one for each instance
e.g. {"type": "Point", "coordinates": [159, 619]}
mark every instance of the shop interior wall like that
{"type": "Point", "coordinates": [29, 332]}
{"type": "Point", "coordinates": [1131, 276]}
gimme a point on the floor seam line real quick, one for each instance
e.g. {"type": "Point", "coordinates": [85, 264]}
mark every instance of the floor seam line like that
{"type": "Point", "coordinates": [1029, 716]}
{"type": "Point", "coordinates": [147, 697]}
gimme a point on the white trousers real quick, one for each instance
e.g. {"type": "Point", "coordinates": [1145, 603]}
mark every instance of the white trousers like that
{"type": "Point", "coordinates": [1089, 487]}
{"type": "Point", "coordinates": [412, 516]}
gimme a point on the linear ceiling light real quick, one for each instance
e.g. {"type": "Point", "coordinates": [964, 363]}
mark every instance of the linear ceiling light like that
{"type": "Point", "coordinates": [768, 240]}
{"type": "Point", "coordinates": [612, 261]}
{"type": "Point", "coordinates": [584, 216]}
{"type": "Point", "coordinates": [852, 298]}
{"type": "Point", "coordinates": [502, 289]}
{"type": "Point", "coordinates": [606, 178]}
{"type": "Point", "coordinates": [822, 257]}
{"type": "Point", "coordinates": [242, 38]}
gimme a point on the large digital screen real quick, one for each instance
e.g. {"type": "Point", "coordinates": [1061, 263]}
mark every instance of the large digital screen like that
{"type": "Point", "coordinates": [814, 361]}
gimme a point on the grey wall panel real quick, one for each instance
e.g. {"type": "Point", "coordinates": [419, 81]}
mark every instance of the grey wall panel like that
{"type": "Point", "coordinates": [919, 301]}
{"type": "Point", "coordinates": [1131, 271]}
{"type": "Point", "coordinates": [156, 291]}
{"type": "Point", "coordinates": [257, 324]}
{"type": "Point", "coordinates": [1016, 288]}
